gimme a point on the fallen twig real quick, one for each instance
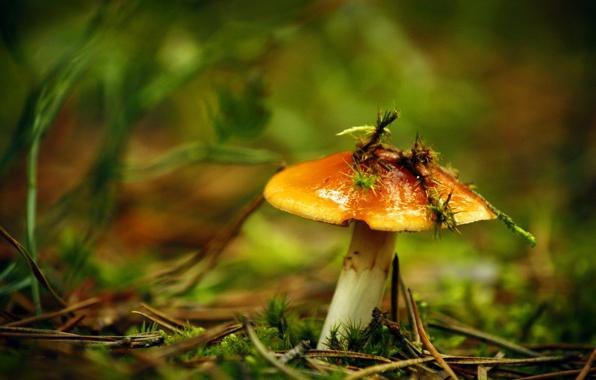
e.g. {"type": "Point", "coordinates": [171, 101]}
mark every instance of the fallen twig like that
{"type": "Point", "coordinates": [488, 338]}
{"type": "Point", "coordinates": [39, 334]}
{"type": "Point", "coordinates": [507, 361]}
{"type": "Point", "coordinates": [560, 347]}
{"type": "Point", "coordinates": [409, 307]}
{"type": "Point", "coordinates": [427, 343]}
{"type": "Point", "coordinates": [582, 375]}
{"type": "Point", "coordinates": [71, 323]}
{"type": "Point", "coordinates": [212, 251]}
{"type": "Point", "coordinates": [42, 317]}
{"type": "Point", "coordinates": [158, 321]}
{"type": "Point", "coordinates": [164, 317]}
{"type": "Point", "coordinates": [556, 375]}
{"type": "Point", "coordinates": [346, 354]}
{"type": "Point", "coordinates": [380, 368]}
{"type": "Point", "coordinates": [28, 330]}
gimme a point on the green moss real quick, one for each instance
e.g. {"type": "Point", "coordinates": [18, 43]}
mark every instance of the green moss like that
{"type": "Point", "coordinates": [364, 179]}
{"type": "Point", "coordinates": [443, 215]}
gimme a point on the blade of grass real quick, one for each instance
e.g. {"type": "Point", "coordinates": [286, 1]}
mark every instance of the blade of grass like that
{"type": "Point", "coordinates": [48, 94]}
{"type": "Point", "coordinates": [193, 153]}
{"type": "Point", "coordinates": [43, 105]}
{"type": "Point", "coordinates": [35, 270]}
{"type": "Point", "coordinates": [7, 270]}
{"type": "Point", "coordinates": [16, 286]}
{"type": "Point", "coordinates": [31, 211]}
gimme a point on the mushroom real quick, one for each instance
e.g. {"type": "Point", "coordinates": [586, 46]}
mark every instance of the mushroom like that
{"type": "Point", "coordinates": [381, 190]}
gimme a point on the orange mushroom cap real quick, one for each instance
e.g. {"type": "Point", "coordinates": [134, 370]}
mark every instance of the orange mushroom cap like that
{"type": "Point", "coordinates": [324, 190]}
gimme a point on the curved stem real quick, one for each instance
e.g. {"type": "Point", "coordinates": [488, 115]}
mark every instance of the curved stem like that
{"type": "Point", "coordinates": [30, 217]}
{"type": "Point", "coordinates": [362, 280]}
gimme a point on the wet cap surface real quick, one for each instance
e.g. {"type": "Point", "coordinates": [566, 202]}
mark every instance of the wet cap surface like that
{"type": "Point", "coordinates": [324, 190]}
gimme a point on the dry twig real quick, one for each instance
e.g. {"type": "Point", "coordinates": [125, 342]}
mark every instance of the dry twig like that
{"type": "Point", "coordinates": [379, 368]}
{"type": "Point", "coordinates": [582, 375]}
{"type": "Point", "coordinates": [555, 375]}
{"type": "Point", "coordinates": [488, 338]}
{"type": "Point", "coordinates": [427, 343]}
{"type": "Point", "coordinates": [346, 354]}
{"type": "Point", "coordinates": [45, 316]}
{"type": "Point", "coordinates": [158, 321]}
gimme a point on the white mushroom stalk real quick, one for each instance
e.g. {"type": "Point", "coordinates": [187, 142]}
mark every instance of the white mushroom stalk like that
{"type": "Point", "coordinates": [361, 284]}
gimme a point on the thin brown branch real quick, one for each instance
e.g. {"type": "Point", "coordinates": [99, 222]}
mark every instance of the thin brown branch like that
{"type": "Point", "coordinates": [556, 375]}
{"type": "Point", "coordinates": [346, 354]}
{"type": "Point", "coordinates": [560, 347]}
{"type": "Point", "coordinates": [158, 321]}
{"type": "Point", "coordinates": [409, 303]}
{"type": "Point", "coordinates": [582, 375]}
{"type": "Point", "coordinates": [71, 323]}
{"type": "Point", "coordinates": [57, 335]}
{"type": "Point", "coordinates": [427, 343]}
{"type": "Point", "coordinates": [508, 361]}
{"type": "Point", "coordinates": [380, 368]}
{"type": "Point", "coordinates": [28, 330]}
{"type": "Point", "coordinates": [170, 320]}
{"type": "Point", "coordinates": [45, 316]}
{"type": "Point", "coordinates": [213, 250]}
{"type": "Point", "coordinates": [32, 264]}
{"type": "Point", "coordinates": [485, 337]}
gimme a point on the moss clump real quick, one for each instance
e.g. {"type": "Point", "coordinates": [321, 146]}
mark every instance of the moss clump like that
{"type": "Point", "coordinates": [364, 180]}
{"type": "Point", "coordinates": [443, 215]}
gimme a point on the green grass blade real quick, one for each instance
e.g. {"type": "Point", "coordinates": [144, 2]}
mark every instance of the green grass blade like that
{"type": "Point", "coordinates": [16, 286]}
{"type": "Point", "coordinates": [194, 153]}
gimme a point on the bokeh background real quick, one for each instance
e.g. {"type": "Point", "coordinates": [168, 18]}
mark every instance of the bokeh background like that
{"type": "Point", "coordinates": [158, 122]}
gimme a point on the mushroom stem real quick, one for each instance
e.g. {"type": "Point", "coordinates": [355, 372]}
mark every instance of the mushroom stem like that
{"type": "Point", "coordinates": [362, 280]}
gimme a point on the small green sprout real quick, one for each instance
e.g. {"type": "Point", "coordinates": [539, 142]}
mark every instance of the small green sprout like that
{"type": "Point", "coordinates": [364, 179]}
{"type": "Point", "coordinates": [442, 213]}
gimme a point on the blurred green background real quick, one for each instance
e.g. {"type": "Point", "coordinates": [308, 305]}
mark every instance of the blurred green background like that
{"type": "Point", "coordinates": [158, 121]}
